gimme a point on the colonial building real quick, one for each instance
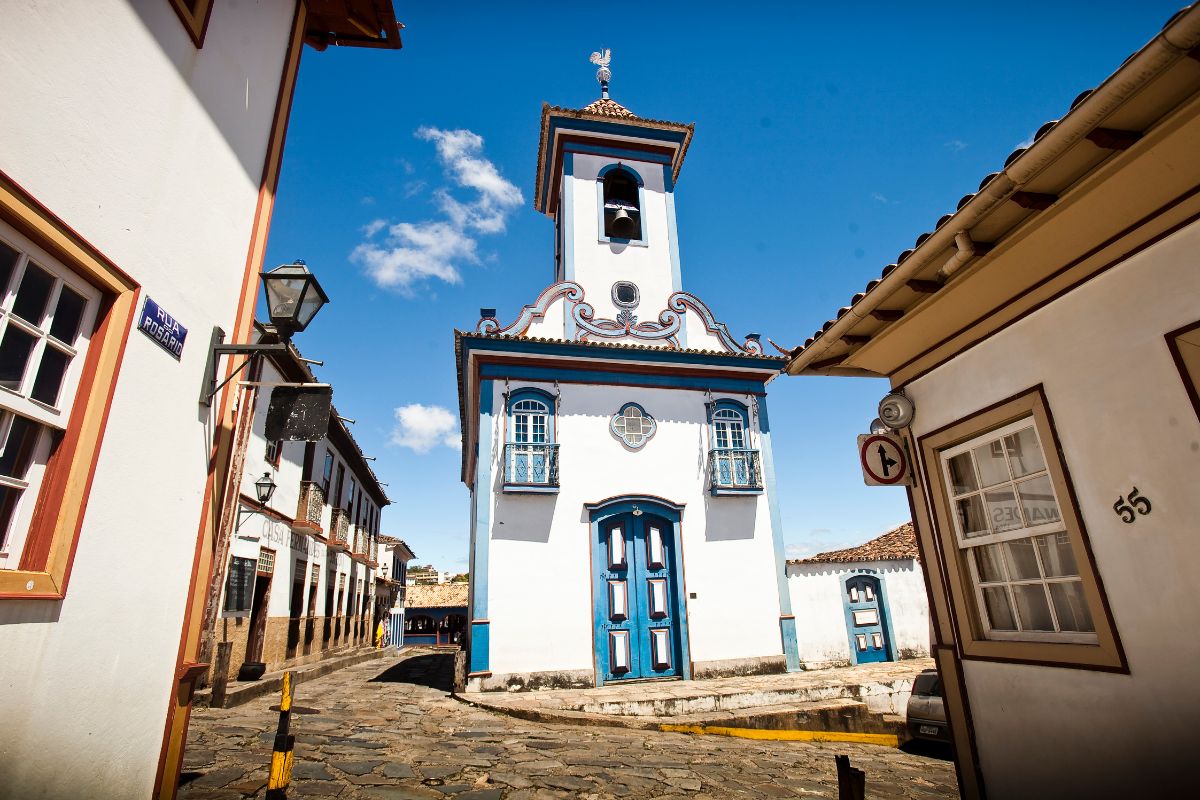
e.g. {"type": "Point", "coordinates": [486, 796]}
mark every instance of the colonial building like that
{"type": "Point", "coordinates": [1044, 341]}
{"type": "Point", "coordinates": [299, 578]}
{"type": "Point", "coordinates": [437, 614]}
{"type": "Point", "coordinates": [139, 154]}
{"type": "Point", "coordinates": [617, 442]}
{"type": "Point", "coordinates": [862, 604]}
{"type": "Point", "coordinates": [394, 555]}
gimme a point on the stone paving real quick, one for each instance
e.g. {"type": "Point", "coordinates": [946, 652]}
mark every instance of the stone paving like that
{"type": "Point", "coordinates": [390, 730]}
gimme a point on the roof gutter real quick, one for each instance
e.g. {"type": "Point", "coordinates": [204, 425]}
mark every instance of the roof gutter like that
{"type": "Point", "coordinates": [1180, 35]}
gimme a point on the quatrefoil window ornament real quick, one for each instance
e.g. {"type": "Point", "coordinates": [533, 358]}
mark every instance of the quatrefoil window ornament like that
{"type": "Point", "coordinates": [633, 426]}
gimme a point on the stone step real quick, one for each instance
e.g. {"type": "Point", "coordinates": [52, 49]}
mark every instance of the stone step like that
{"type": "Point", "coordinates": [837, 715]}
{"type": "Point", "coordinates": [693, 698]}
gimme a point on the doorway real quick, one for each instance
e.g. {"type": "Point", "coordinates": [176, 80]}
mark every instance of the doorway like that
{"type": "Point", "coordinates": [866, 620]}
{"type": "Point", "coordinates": [258, 610]}
{"type": "Point", "coordinates": [639, 618]}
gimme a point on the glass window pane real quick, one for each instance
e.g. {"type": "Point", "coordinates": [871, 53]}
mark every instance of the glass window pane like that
{"type": "Point", "coordinates": [970, 516]}
{"type": "Point", "coordinates": [18, 448]}
{"type": "Point", "coordinates": [1022, 561]}
{"type": "Point", "coordinates": [50, 376]}
{"type": "Point", "coordinates": [67, 316]}
{"type": "Point", "coordinates": [8, 261]}
{"type": "Point", "coordinates": [1037, 501]}
{"type": "Point", "coordinates": [992, 468]}
{"type": "Point", "coordinates": [962, 474]}
{"type": "Point", "coordinates": [999, 612]}
{"type": "Point", "coordinates": [989, 563]}
{"type": "Point", "coordinates": [15, 348]}
{"type": "Point", "coordinates": [1071, 607]}
{"type": "Point", "coordinates": [33, 294]}
{"type": "Point", "coordinates": [1024, 452]}
{"type": "Point", "coordinates": [1032, 607]}
{"type": "Point", "coordinates": [1003, 511]}
{"type": "Point", "coordinates": [9, 495]}
{"type": "Point", "coordinates": [1058, 559]}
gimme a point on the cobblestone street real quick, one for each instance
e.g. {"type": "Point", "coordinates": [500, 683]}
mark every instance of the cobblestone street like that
{"type": "Point", "coordinates": [389, 729]}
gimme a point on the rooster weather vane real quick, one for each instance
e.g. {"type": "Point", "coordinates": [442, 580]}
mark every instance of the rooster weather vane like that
{"type": "Point", "coordinates": [603, 74]}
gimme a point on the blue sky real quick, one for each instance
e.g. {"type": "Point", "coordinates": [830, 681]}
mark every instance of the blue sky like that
{"type": "Point", "coordinates": [827, 138]}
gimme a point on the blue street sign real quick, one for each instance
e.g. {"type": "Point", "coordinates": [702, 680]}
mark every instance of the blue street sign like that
{"type": "Point", "coordinates": [162, 328]}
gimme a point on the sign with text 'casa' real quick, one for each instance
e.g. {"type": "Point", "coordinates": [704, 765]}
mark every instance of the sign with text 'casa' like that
{"type": "Point", "coordinates": [162, 328]}
{"type": "Point", "coordinates": [884, 462]}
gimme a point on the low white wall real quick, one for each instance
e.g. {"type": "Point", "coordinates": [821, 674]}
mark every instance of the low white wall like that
{"type": "Point", "coordinates": [818, 602]}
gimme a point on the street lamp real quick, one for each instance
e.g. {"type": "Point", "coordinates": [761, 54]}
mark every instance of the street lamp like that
{"type": "Point", "coordinates": [293, 297]}
{"type": "Point", "coordinates": [265, 487]}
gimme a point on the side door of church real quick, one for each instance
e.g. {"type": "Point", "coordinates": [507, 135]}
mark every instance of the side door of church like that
{"type": "Point", "coordinates": [636, 602]}
{"type": "Point", "coordinates": [865, 620]}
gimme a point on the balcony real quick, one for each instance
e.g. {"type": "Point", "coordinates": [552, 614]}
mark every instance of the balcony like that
{"type": "Point", "coordinates": [735, 471]}
{"type": "Point", "coordinates": [531, 468]}
{"type": "Point", "coordinates": [339, 529]}
{"type": "Point", "coordinates": [309, 508]}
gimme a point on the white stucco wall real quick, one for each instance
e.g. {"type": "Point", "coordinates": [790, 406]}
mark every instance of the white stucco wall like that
{"type": "Point", "coordinates": [544, 623]}
{"type": "Point", "coordinates": [818, 601]}
{"type": "Point", "coordinates": [1123, 420]}
{"type": "Point", "coordinates": [599, 264]}
{"type": "Point", "coordinates": [153, 151]}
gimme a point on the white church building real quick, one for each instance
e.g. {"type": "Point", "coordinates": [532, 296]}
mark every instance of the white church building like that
{"type": "Point", "coordinates": [617, 443]}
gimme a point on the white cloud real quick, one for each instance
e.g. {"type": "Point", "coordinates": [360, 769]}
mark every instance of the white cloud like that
{"type": "Point", "coordinates": [956, 145]}
{"type": "Point", "coordinates": [879, 198]}
{"type": "Point", "coordinates": [422, 428]}
{"type": "Point", "coordinates": [412, 253]}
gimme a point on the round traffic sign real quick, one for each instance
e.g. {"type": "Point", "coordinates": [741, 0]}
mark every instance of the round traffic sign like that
{"type": "Point", "coordinates": [883, 459]}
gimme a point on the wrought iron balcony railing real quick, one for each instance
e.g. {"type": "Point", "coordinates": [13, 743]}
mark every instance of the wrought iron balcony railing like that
{"type": "Point", "coordinates": [339, 528]}
{"type": "Point", "coordinates": [531, 466]}
{"type": "Point", "coordinates": [310, 505]}
{"type": "Point", "coordinates": [734, 470]}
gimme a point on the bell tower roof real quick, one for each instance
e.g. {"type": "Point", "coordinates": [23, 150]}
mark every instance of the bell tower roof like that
{"type": "Point", "coordinates": [606, 124]}
{"type": "Point", "coordinates": [607, 107]}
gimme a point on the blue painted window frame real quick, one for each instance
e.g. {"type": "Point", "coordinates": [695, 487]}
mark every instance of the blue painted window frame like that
{"type": "Point", "coordinates": [641, 184]}
{"type": "Point", "coordinates": [548, 400]}
{"type": "Point", "coordinates": [612, 421]}
{"type": "Point", "coordinates": [885, 613]}
{"type": "Point", "coordinates": [743, 411]}
{"type": "Point", "coordinates": [531, 393]}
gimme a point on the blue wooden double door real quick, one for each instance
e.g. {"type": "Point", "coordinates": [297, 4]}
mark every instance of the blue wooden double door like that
{"type": "Point", "coordinates": [637, 598]}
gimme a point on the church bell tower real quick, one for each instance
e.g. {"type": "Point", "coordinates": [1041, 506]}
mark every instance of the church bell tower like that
{"type": "Point", "coordinates": [607, 178]}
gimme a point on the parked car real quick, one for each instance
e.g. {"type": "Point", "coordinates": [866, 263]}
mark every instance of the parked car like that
{"type": "Point", "coordinates": [926, 714]}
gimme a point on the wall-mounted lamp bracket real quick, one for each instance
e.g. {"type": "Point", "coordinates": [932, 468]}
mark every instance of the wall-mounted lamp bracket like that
{"type": "Point", "coordinates": [209, 387]}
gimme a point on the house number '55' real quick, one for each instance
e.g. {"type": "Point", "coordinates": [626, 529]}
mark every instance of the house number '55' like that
{"type": "Point", "coordinates": [1136, 501]}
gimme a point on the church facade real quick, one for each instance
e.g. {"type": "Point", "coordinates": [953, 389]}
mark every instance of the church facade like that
{"type": "Point", "coordinates": [617, 444]}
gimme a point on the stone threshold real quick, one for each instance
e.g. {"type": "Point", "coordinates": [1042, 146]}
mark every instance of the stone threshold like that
{"type": "Point", "coordinates": [240, 692]}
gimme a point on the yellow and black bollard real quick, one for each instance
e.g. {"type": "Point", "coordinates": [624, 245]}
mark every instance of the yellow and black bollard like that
{"type": "Point", "coordinates": [285, 743]}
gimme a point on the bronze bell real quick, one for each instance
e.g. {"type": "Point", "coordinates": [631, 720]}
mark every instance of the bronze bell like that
{"type": "Point", "coordinates": [623, 225]}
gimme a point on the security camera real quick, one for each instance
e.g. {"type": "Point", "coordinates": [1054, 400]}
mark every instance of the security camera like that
{"type": "Point", "coordinates": [895, 411]}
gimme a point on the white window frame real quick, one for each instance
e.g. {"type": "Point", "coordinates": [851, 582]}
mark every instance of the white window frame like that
{"type": "Point", "coordinates": [966, 544]}
{"type": "Point", "coordinates": [51, 418]}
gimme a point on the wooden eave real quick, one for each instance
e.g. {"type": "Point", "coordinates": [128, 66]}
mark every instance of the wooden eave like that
{"type": "Point", "coordinates": [1109, 202]}
{"type": "Point", "coordinates": [352, 23]}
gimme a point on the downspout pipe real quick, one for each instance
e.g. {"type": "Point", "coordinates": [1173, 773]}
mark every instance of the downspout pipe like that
{"type": "Point", "coordinates": [1179, 36]}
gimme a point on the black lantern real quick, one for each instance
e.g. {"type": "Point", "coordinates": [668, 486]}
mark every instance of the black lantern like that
{"type": "Point", "coordinates": [293, 297]}
{"type": "Point", "coordinates": [265, 487]}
